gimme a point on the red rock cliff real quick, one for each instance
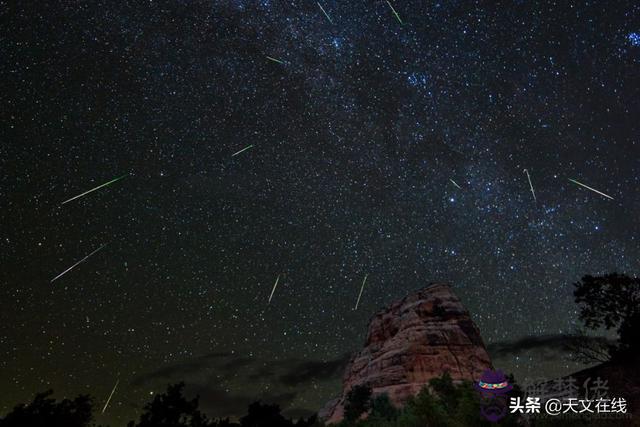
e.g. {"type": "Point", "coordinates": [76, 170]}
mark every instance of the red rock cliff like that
{"type": "Point", "coordinates": [415, 339]}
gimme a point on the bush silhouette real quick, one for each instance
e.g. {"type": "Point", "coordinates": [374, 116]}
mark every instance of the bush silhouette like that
{"type": "Point", "coordinates": [46, 412]}
{"type": "Point", "coordinates": [172, 409]}
{"type": "Point", "coordinates": [264, 415]}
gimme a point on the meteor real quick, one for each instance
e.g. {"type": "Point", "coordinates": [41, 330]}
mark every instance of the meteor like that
{"type": "Point", "coordinates": [274, 289]}
{"type": "Point", "coordinates": [76, 264]}
{"type": "Point", "coordinates": [531, 185]}
{"type": "Point", "coordinates": [454, 183]}
{"type": "Point", "coordinates": [244, 149]}
{"type": "Point", "coordinates": [325, 13]}
{"type": "Point", "coordinates": [361, 289]}
{"type": "Point", "coordinates": [94, 189]}
{"type": "Point", "coordinates": [110, 396]}
{"type": "Point", "coordinates": [589, 188]}
{"type": "Point", "coordinates": [395, 13]}
{"type": "Point", "coordinates": [275, 60]}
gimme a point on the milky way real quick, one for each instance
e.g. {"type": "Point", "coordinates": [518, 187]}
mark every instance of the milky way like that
{"type": "Point", "coordinates": [361, 117]}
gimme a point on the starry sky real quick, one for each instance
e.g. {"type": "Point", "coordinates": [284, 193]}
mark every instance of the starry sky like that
{"type": "Point", "coordinates": [393, 146]}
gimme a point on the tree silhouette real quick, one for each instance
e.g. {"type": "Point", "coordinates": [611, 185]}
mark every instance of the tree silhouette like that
{"type": "Point", "coordinates": [383, 409]}
{"type": "Point", "coordinates": [611, 301]}
{"type": "Point", "coordinates": [425, 409]}
{"type": "Point", "coordinates": [311, 421]}
{"type": "Point", "coordinates": [46, 412]}
{"type": "Point", "coordinates": [172, 409]}
{"type": "Point", "coordinates": [264, 415]}
{"type": "Point", "coordinates": [444, 388]}
{"type": "Point", "coordinates": [588, 349]}
{"type": "Point", "coordinates": [442, 403]}
{"type": "Point", "coordinates": [225, 423]}
{"type": "Point", "coordinates": [358, 402]}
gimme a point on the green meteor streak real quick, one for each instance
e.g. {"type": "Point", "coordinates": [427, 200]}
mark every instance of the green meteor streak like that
{"type": "Point", "coordinates": [395, 13]}
{"type": "Point", "coordinates": [244, 149]}
{"type": "Point", "coordinates": [94, 189]}
{"type": "Point", "coordinates": [275, 60]}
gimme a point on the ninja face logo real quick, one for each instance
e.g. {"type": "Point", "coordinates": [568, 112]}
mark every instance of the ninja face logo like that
{"type": "Point", "coordinates": [493, 387]}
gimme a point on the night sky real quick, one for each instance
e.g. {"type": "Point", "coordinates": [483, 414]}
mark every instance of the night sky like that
{"type": "Point", "coordinates": [393, 146]}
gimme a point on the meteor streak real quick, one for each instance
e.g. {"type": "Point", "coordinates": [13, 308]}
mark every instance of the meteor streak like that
{"type": "Point", "coordinates": [275, 60]}
{"type": "Point", "coordinates": [325, 13]}
{"type": "Point", "coordinates": [76, 264]}
{"type": "Point", "coordinates": [110, 396]}
{"type": "Point", "coordinates": [274, 289]}
{"type": "Point", "coordinates": [589, 188]}
{"type": "Point", "coordinates": [395, 13]}
{"type": "Point", "coordinates": [531, 185]}
{"type": "Point", "coordinates": [94, 189]}
{"type": "Point", "coordinates": [244, 149]}
{"type": "Point", "coordinates": [454, 183]}
{"type": "Point", "coordinates": [361, 289]}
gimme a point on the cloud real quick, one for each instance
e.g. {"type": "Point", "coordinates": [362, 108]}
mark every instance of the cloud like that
{"type": "Point", "coordinates": [227, 383]}
{"type": "Point", "coordinates": [181, 370]}
{"type": "Point", "coordinates": [236, 363]}
{"type": "Point", "coordinates": [262, 373]}
{"type": "Point", "coordinates": [306, 371]}
{"type": "Point", "coordinates": [217, 402]}
{"type": "Point", "coordinates": [290, 372]}
{"type": "Point", "coordinates": [562, 343]}
{"type": "Point", "coordinates": [297, 413]}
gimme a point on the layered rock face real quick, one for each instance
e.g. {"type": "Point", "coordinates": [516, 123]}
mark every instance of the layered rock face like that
{"type": "Point", "coordinates": [417, 338]}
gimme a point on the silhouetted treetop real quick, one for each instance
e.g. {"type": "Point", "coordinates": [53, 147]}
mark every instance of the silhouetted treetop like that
{"type": "Point", "coordinates": [172, 409]}
{"type": "Point", "coordinates": [612, 301]}
{"type": "Point", "coordinates": [358, 402]}
{"type": "Point", "coordinates": [46, 412]}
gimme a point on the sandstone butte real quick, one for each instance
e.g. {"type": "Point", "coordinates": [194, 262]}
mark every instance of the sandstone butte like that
{"type": "Point", "coordinates": [410, 342]}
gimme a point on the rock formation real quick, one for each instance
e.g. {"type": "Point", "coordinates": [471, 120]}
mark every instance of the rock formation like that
{"type": "Point", "coordinates": [415, 339]}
